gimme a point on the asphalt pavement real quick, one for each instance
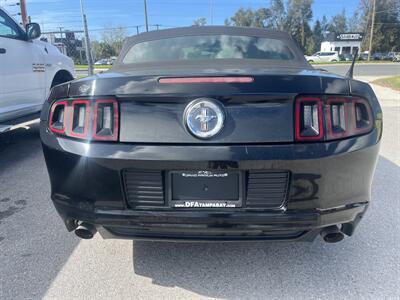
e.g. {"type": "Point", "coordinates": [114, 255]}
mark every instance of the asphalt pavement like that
{"type": "Point", "coordinates": [40, 259]}
{"type": "Point", "coordinates": [363, 69]}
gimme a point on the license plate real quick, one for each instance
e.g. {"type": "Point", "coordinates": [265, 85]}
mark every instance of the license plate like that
{"type": "Point", "coordinates": [205, 189]}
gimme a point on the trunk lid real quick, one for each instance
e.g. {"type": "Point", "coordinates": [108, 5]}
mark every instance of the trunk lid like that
{"type": "Point", "coordinates": [258, 112]}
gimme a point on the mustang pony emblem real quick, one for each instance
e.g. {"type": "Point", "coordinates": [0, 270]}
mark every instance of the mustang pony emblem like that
{"type": "Point", "coordinates": [204, 117]}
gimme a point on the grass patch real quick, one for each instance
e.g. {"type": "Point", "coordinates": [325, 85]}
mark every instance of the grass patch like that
{"type": "Point", "coordinates": [390, 82]}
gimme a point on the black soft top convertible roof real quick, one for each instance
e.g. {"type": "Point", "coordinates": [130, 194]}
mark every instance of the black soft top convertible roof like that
{"type": "Point", "coordinates": [200, 30]}
{"type": "Point", "coordinates": [298, 62]}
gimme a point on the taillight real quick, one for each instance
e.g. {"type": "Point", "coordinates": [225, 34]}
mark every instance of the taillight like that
{"type": "Point", "coordinates": [222, 79]}
{"type": "Point", "coordinates": [309, 124]}
{"type": "Point", "coordinates": [362, 116]}
{"type": "Point", "coordinates": [329, 118]}
{"type": "Point", "coordinates": [96, 120]}
{"type": "Point", "coordinates": [337, 117]}
{"type": "Point", "coordinates": [105, 122]}
{"type": "Point", "coordinates": [79, 122]}
{"type": "Point", "coordinates": [58, 116]}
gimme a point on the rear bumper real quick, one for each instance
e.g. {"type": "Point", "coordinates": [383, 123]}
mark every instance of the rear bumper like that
{"type": "Point", "coordinates": [330, 185]}
{"type": "Point", "coordinates": [215, 226]}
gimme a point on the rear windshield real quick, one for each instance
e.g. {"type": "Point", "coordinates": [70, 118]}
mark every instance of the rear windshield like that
{"type": "Point", "coordinates": [208, 47]}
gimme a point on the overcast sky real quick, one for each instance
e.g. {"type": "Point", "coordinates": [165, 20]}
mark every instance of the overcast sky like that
{"type": "Point", "coordinates": [51, 14]}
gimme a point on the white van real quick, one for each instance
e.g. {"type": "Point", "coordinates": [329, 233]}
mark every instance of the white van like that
{"type": "Point", "coordinates": [330, 56]}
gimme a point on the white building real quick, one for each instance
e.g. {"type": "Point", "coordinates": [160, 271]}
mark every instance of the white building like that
{"type": "Point", "coordinates": [342, 42]}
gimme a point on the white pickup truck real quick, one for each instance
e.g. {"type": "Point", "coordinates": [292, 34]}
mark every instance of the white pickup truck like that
{"type": "Point", "coordinates": [29, 68]}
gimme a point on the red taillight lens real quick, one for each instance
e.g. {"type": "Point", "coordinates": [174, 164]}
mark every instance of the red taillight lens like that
{"type": "Point", "coordinates": [79, 122]}
{"type": "Point", "coordinates": [58, 117]}
{"type": "Point", "coordinates": [341, 117]}
{"type": "Point", "coordinates": [97, 120]}
{"type": "Point", "coordinates": [105, 126]}
{"type": "Point", "coordinates": [309, 124]}
{"type": "Point", "coordinates": [363, 121]}
{"type": "Point", "coordinates": [337, 117]}
{"type": "Point", "coordinates": [222, 79]}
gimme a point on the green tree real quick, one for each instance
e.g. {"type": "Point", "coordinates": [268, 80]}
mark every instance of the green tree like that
{"type": "Point", "coordinates": [114, 38]}
{"type": "Point", "coordinates": [200, 21]}
{"type": "Point", "coordinates": [317, 38]}
{"type": "Point", "coordinates": [102, 50]}
{"type": "Point", "coordinates": [276, 15]}
{"type": "Point", "coordinates": [299, 14]}
{"type": "Point", "coordinates": [386, 28]}
{"type": "Point", "coordinates": [248, 18]}
{"type": "Point", "coordinates": [292, 16]}
{"type": "Point", "coordinates": [355, 22]}
{"type": "Point", "coordinates": [311, 45]}
{"type": "Point", "coordinates": [338, 22]}
{"type": "Point", "coordinates": [324, 24]}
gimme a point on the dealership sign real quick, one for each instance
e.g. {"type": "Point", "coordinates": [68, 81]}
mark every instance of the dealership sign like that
{"type": "Point", "coordinates": [353, 36]}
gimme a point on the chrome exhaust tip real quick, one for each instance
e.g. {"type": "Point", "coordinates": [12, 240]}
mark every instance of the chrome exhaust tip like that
{"type": "Point", "coordinates": [332, 234]}
{"type": "Point", "coordinates": [85, 230]}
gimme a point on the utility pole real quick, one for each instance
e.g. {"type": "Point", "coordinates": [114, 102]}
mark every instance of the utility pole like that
{"type": "Point", "coordinates": [61, 28]}
{"type": "Point", "coordinates": [24, 15]}
{"type": "Point", "coordinates": [87, 42]}
{"type": "Point", "coordinates": [145, 15]}
{"type": "Point", "coordinates": [211, 12]}
{"type": "Point", "coordinates": [371, 36]}
{"type": "Point", "coordinates": [137, 29]}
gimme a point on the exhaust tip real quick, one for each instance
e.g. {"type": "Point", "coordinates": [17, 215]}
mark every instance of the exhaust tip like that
{"type": "Point", "coordinates": [85, 231]}
{"type": "Point", "coordinates": [332, 234]}
{"type": "Point", "coordinates": [333, 237]}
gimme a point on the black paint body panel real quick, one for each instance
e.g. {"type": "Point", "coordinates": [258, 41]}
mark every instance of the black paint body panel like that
{"type": "Point", "coordinates": [329, 182]}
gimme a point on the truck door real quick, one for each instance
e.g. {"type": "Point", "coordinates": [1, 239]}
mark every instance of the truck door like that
{"type": "Point", "coordinates": [22, 71]}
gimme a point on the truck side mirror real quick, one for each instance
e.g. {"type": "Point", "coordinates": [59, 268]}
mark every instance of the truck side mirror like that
{"type": "Point", "coordinates": [33, 31]}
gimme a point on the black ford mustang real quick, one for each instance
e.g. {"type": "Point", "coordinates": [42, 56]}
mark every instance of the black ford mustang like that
{"type": "Point", "coordinates": [212, 133]}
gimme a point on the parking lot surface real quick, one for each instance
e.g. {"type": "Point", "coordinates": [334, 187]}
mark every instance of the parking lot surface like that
{"type": "Point", "coordinates": [364, 69]}
{"type": "Point", "coordinates": [39, 259]}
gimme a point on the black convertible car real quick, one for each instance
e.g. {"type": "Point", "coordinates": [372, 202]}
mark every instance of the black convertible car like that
{"type": "Point", "coordinates": [212, 133]}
